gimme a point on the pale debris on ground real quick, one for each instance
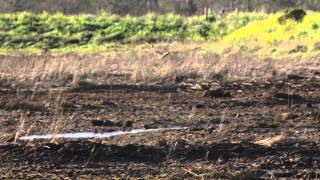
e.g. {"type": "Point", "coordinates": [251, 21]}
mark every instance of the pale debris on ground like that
{"type": "Point", "coordinates": [268, 142]}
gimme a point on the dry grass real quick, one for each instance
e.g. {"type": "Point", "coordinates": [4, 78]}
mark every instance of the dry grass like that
{"type": "Point", "coordinates": [58, 124]}
{"type": "Point", "coordinates": [21, 128]}
{"type": "Point", "coordinates": [143, 66]}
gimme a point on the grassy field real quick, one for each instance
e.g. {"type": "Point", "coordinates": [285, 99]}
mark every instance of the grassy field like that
{"type": "Point", "coordinates": [211, 95]}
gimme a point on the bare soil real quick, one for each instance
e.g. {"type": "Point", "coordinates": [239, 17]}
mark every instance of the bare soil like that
{"type": "Point", "coordinates": [224, 121]}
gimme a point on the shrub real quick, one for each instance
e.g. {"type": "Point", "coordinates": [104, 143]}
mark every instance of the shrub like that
{"type": "Point", "coordinates": [211, 18]}
{"type": "Point", "coordinates": [293, 14]}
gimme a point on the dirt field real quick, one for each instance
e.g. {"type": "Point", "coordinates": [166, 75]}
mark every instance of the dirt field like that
{"type": "Point", "coordinates": [228, 126]}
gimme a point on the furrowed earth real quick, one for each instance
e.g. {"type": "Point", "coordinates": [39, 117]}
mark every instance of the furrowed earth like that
{"type": "Point", "coordinates": [239, 129]}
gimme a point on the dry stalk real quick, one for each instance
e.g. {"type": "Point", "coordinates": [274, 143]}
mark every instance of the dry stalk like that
{"type": "Point", "coordinates": [222, 120]}
{"type": "Point", "coordinates": [193, 174]}
{"type": "Point", "coordinates": [20, 129]}
{"type": "Point", "coordinates": [56, 123]}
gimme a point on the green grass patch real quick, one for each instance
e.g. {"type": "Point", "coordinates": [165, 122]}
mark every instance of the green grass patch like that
{"type": "Point", "coordinates": [27, 31]}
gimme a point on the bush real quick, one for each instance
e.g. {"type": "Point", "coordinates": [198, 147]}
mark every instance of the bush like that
{"type": "Point", "coordinates": [211, 18]}
{"type": "Point", "coordinates": [293, 14]}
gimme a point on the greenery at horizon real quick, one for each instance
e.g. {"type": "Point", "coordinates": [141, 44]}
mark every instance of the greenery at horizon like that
{"type": "Point", "coordinates": [258, 32]}
{"type": "Point", "coordinates": [58, 31]}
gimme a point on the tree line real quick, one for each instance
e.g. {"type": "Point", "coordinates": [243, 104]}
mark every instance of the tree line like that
{"type": "Point", "coordinates": [141, 7]}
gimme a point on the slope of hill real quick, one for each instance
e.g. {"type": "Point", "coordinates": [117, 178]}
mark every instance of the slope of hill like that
{"type": "Point", "coordinates": [271, 38]}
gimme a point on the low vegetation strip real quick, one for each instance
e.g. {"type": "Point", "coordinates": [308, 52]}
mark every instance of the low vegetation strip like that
{"type": "Point", "coordinates": [282, 35]}
{"type": "Point", "coordinates": [58, 31]}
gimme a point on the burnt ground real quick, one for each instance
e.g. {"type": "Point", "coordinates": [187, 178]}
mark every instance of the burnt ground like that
{"type": "Point", "coordinates": [223, 123]}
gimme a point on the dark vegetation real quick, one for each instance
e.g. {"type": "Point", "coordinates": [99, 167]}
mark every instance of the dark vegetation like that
{"type": "Point", "coordinates": [293, 14]}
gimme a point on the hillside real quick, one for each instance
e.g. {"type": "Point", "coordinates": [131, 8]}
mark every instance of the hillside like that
{"type": "Point", "coordinates": [270, 38]}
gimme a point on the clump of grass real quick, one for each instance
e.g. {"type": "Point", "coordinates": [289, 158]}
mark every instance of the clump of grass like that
{"type": "Point", "coordinates": [21, 127]}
